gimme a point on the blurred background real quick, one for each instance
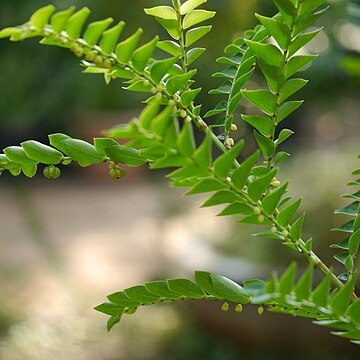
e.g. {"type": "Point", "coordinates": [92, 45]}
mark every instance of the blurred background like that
{"type": "Point", "coordinates": [64, 245]}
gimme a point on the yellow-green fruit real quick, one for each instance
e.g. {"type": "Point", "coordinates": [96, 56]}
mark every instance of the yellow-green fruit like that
{"type": "Point", "coordinates": [107, 64]}
{"type": "Point", "coordinates": [112, 165]}
{"type": "Point", "coordinates": [260, 310]}
{"type": "Point", "coordinates": [146, 82]}
{"type": "Point", "coordinates": [261, 219]}
{"type": "Point", "coordinates": [90, 56]}
{"type": "Point", "coordinates": [117, 173]}
{"type": "Point", "coordinates": [234, 127]}
{"type": "Point", "coordinates": [285, 233]}
{"type": "Point", "coordinates": [225, 306]}
{"type": "Point", "coordinates": [183, 114]}
{"type": "Point", "coordinates": [98, 60]}
{"type": "Point", "coordinates": [274, 229]}
{"type": "Point", "coordinates": [238, 308]}
{"type": "Point", "coordinates": [257, 210]}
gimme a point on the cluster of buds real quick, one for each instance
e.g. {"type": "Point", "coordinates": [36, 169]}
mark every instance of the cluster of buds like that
{"type": "Point", "coordinates": [52, 172]}
{"type": "Point", "coordinates": [116, 172]}
{"type": "Point", "coordinates": [77, 49]}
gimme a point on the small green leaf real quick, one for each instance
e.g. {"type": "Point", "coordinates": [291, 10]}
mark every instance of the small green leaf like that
{"type": "Point", "coordinates": [320, 295]}
{"type": "Point", "coordinates": [190, 5]}
{"type": "Point", "coordinates": [125, 155]}
{"type": "Point", "coordinates": [301, 40]}
{"type": "Point", "coordinates": [296, 228]}
{"type": "Point", "coordinates": [41, 16]}
{"type": "Point", "coordinates": [171, 26]}
{"type": "Point", "coordinates": [101, 144]}
{"type": "Point", "coordinates": [283, 136]}
{"type": "Point", "coordinates": [228, 289]}
{"type": "Point", "coordinates": [59, 20]}
{"type": "Point", "coordinates": [197, 16]}
{"type": "Point", "coordinates": [341, 299]}
{"type": "Point", "coordinates": [171, 47]}
{"type": "Point", "coordinates": [224, 163]}
{"type": "Point", "coordinates": [177, 82]}
{"type": "Point", "coordinates": [287, 109]}
{"type": "Point", "coordinates": [308, 6]}
{"type": "Point", "coordinates": [204, 282]}
{"type": "Point", "coordinates": [354, 311]}
{"type": "Point", "coordinates": [141, 294]}
{"type": "Point", "coordinates": [206, 185]}
{"type": "Point", "coordinates": [160, 68]}
{"type": "Point", "coordinates": [110, 37]}
{"type": "Point", "coordinates": [354, 243]}
{"type": "Point", "coordinates": [75, 23]}
{"type": "Point", "coordinates": [287, 280]}
{"type": "Point", "coordinates": [237, 208]}
{"type": "Point", "coordinates": [162, 12]}
{"type": "Point", "coordinates": [291, 87]}
{"type": "Point", "coordinates": [261, 123]}
{"type": "Point", "coordinates": [186, 140]}
{"type": "Point", "coordinates": [267, 146]}
{"type": "Point", "coordinates": [285, 215]}
{"type": "Point", "coordinates": [268, 53]}
{"type": "Point", "coordinates": [196, 34]}
{"type": "Point", "coordinates": [161, 288]}
{"type": "Point", "coordinates": [241, 174]}
{"type": "Point", "coordinates": [95, 30]}
{"type": "Point", "coordinates": [142, 55]}
{"type": "Point", "coordinates": [304, 286]}
{"type": "Point", "coordinates": [17, 155]}
{"type": "Point", "coordinates": [263, 99]}
{"type": "Point", "coordinates": [259, 186]}
{"type": "Point", "coordinates": [272, 200]}
{"type": "Point", "coordinates": [41, 153]}
{"type": "Point", "coordinates": [189, 96]}
{"type": "Point", "coordinates": [112, 322]}
{"type": "Point", "coordinates": [203, 154]}
{"type": "Point", "coordinates": [296, 63]}
{"type": "Point", "coordinates": [221, 197]}
{"type": "Point", "coordinates": [193, 54]}
{"type": "Point", "coordinates": [186, 288]}
{"type": "Point", "coordinates": [56, 141]}
{"type": "Point", "coordinates": [125, 49]}
{"type": "Point", "coordinates": [82, 152]}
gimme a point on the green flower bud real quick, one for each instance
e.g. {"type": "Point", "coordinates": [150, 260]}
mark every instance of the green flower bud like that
{"type": "Point", "coordinates": [146, 82]}
{"type": "Point", "coordinates": [90, 56]}
{"type": "Point", "coordinates": [275, 183]}
{"type": "Point", "coordinates": [98, 60]}
{"type": "Point", "coordinates": [238, 308]}
{"type": "Point", "coordinates": [225, 306]}
{"type": "Point", "coordinates": [52, 172]}
{"type": "Point", "coordinates": [117, 173]}
{"type": "Point", "coordinates": [257, 210]}
{"type": "Point", "coordinates": [158, 96]}
{"type": "Point", "coordinates": [285, 233]}
{"type": "Point", "coordinates": [260, 310]}
{"type": "Point", "coordinates": [261, 219]}
{"type": "Point", "coordinates": [183, 113]}
{"type": "Point", "coordinates": [234, 127]}
{"type": "Point", "coordinates": [274, 229]}
{"type": "Point", "coordinates": [107, 64]}
{"type": "Point", "coordinates": [188, 118]}
{"type": "Point", "coordinates": [229, 143]}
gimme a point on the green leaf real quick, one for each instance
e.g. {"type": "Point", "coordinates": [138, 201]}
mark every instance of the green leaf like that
{"type": "Point", "coordinates": [341, 299]}
{"type": "Point", "coordinates": [228, 289]}
{"type": "Point", "coordinates": [82, 152]}
{"type": "Point", "coordinates": [141, 294]}
{"type": "Point", "coordinates": [101, 144]}
{"type": "Point", "coordinates": [308, 6]}
{"type": "Point", "coordinates": [125, 49]}
{"type": "Point", "coordinates": [142, 55]}
{"type": "Point", "coordinates": [259, 186]}
{"type": "Point", "coordinates": [177, 82]}
{"type": "Point", "coordinates": [125, 155]}
{"type": "Point", "coordinates": [286, 214]}
{"type": "Point", "coordinates": [162, 122]}
{"type": "Point", "coordinates": [161, 288]}
{"type": "Point", "coordinates": [186, 140]}
{"type": "Point", "coordinates": [196, 34]}
{"type": "Point", "coordinates": [354, 311]}
{"type": "Point", "coordinates": [186, 288]}
{"type": "Point", "coordinates": [189, 96]}
{"type": "Point", "coordinates": [170, 47]}
{"type": "Point", "coordinates": [225, 162]}
{"type": "Point", "coordinates": [221, 197]}
{"type": "Point", "coordinates": [148, 114]}
{"type": "Point", "coordinates": [296, 228]}
{"type": "Point", "coordinates": [56, 141]}
{"type": "Point", "coordinates": [267, 146]}
{"type": "Point", "coordinates": [241, 174]}
{"type": "Point", "coordinates": [320, 295]}
{"type": "Point", "coordinates": [171, 26]}
{"type": "Point", "coordinates": [351, 210]}
{"type": "Point", "coordinates": [75, 23]}
{"type": "Point", "coordinates": [304, 286]}
{"type": "Point", "coordinates": [162, 12]}
{"type": "Point", "coordinates": [354, 243]}
{"type": "Point", "coordinates": [17, 155]}
{"type": "Point", "coordinates": [41, 153]}
{"type": "Point", "coordinates": [296, 63]}
{"type": "Point", "coordinates": [263, 99]}
{"type": "Point", "coordinates": [112, 322]}
{"type": "Point", "coordinates": [301, 40]}
{"type": "Point", "coordinates": [237, 208]}
{"type": "Point", "coordinates": [160, 68]}
{"type": "Point", "coordinates": [95, 30]}
{"type": "Point", "coordinates": [10, 32]}
{"type": "Point", "coordinates": [41, 16]}
{"type": "Point", "coordinates": [287, 280]}
{"type": "Point", "coordinates": [268, 53]}
{"type": "Point", "coordinates": [287, 109]}
{"type": "Point", "coordinates": [288, 11]}
{"type": "Point", "coordinates": [261, 123]}
{"type": "Point", "coordinates": [190, 5]}
{"type": "Point", "coordinates": [203, 281]}
{"type": "Point", "coordinates": [59, 20]}
{"type": "Point", "coordinates": [29, 170]}
{"type": "Point", "coordinates": [120, 299]}
{"type": "Point", "coordinates": [206, 185]}
{"type": "Point", "coordinates": [109, 309]}
{"type": "Point", "coordinates": [193, 54]}
{"type": "Point", "coordinates": [110, 37]}
{"type": "Point", "coordinates": [197, 16]}
{"type": "Point", "coordinates": [272, 200]}
{"type": "Point", "coordinates": [276, 29]}
{"type": "Point", "coordinates": [283, 136]}
{"type": "Point", "coordinates": [203, 154]}
{"type": "Point", "coordinates": [291, 87]}
{"type": "Point", "coordinates": [274, 76]}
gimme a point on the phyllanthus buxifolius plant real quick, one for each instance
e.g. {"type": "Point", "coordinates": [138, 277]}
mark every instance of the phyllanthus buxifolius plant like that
{"type": "Point", "coordinates": [162, 137]}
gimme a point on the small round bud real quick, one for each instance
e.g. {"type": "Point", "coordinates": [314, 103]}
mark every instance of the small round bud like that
{"type": "Point", "coordinates": [234, 127]}
{"type": "Point", "coordinates": [90, 56]}
{"type": "Point", "coordinates": [274, 229]}
{"type": "Point", "coordinates": [117, 173]}
{"type": "Point", "coordinates": [257, 210]}
{"type": "Point", "coordinates": [52, 172]}
{"type": "Point", "coordinates": [153, 90]}
{"type": "Point", "coordinates": [98, 60]}
{"type": "Point", "coordinates": [261, 219]}
{"type": "Point", "coordinates": [285, 233]}
{"type": "Point", "coordinates": [229, 143]}
{"type": "Point", "coordinates": [275, 182]}
{"type": "Point", "coordinates": [64, 40]}
{"type": "Point", "coordinates": [172, 102]}
{"type": "Point", "coordinates": [238, 308]}
{"type": "Point", "coordinates": [183, 114]}
{"type": "Point", "coordinates": [260, 310]}
{"type": "Point", "coordinates": [107, 64]}
{"type": "Point", "coordinates": [188, 118]}
{"type": "Point", "coordinates": [146, 82]}
{"type": "Point", "coordinates": [158, 96]}
{"type": "Point", "coordinates": [225, 306]}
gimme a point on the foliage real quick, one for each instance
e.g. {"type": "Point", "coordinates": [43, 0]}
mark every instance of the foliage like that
{"type": "Point", "coordinates": [163, 137]}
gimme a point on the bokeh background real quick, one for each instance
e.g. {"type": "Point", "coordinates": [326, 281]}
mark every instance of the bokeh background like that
{"type": "Point", "coordinates": [64, 245]}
